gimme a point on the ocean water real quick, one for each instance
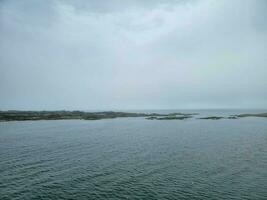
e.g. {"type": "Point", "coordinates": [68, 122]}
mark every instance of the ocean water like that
{"type": "Point", "coordinates": [134, 158]}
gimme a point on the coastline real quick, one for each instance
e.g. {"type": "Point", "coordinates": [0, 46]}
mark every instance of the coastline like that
{"type": "Point", "coordinates": [81, 115]}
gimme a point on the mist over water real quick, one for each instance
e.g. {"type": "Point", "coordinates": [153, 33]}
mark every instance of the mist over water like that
{"type": "Point", "coordinates": [134, 158]}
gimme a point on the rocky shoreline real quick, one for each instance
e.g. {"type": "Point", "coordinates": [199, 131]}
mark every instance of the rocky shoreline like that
{"type": "Point", "coordinates": [80, 115]}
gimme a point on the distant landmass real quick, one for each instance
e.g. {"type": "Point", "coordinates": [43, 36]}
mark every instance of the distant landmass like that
{"type": "Point", "coordinates": [14, 115]}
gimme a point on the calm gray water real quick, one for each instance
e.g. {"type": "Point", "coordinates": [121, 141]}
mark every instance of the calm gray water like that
{"type": "Point", "coordinates": [134, 158]}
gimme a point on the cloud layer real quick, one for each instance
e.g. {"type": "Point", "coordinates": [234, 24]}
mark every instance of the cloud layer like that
{"type": "Point", "coordinates": [133, 54]}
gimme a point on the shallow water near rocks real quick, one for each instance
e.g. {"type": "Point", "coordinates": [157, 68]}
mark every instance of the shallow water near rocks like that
{"type": "Point", "coordinates": [134, 158]}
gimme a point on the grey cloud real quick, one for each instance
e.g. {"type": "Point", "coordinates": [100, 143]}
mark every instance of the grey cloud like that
{"type": "Point", "coordinates": [113, 6]}
{"type": "Point", "coordinates": [133, 55]}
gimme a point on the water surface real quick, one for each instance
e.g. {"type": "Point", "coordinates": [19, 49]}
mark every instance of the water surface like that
{"type": "Point", "coordinates": [134, 158]}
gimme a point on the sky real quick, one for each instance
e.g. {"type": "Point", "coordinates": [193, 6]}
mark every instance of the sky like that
{"type": "Point", "coordinates": [133, 54]}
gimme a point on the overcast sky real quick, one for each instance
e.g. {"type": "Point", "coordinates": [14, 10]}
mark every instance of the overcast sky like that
{"type": "Point", "coordinates": [133, 54]}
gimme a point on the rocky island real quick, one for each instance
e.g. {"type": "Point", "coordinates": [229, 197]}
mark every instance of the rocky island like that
{"type": "Point", "coordinates": [236, 116]}
{"type": "Point", "coordinates": [252, 115]}
{"type": "Point", "coordinates": [63, 115]}
{"type": "Point", "coordinates": [13, 115]}
{"type": "Point", "coordinates": [170, 117]}
{"type": "Point", "coordinates": [212, 117]}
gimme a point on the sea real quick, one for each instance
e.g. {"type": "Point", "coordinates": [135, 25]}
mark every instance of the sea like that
{"type": "Point", "coordinates": [135, 158]}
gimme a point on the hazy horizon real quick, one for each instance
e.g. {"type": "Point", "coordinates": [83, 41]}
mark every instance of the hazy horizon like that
{"type": "Point", "coordinates": [252, 110]}
{"type": "Point", "coordinates": [133, 55]}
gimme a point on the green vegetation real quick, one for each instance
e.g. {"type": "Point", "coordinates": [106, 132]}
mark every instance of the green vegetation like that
{"type": "Point", "coordinates": [59, 115]}
{"type": "Point", "coordinates": [212, 118]}
{"type": "Point", "coordinates": [152, 118]}
{"type": "Point", "coordinates": [170, 117]}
